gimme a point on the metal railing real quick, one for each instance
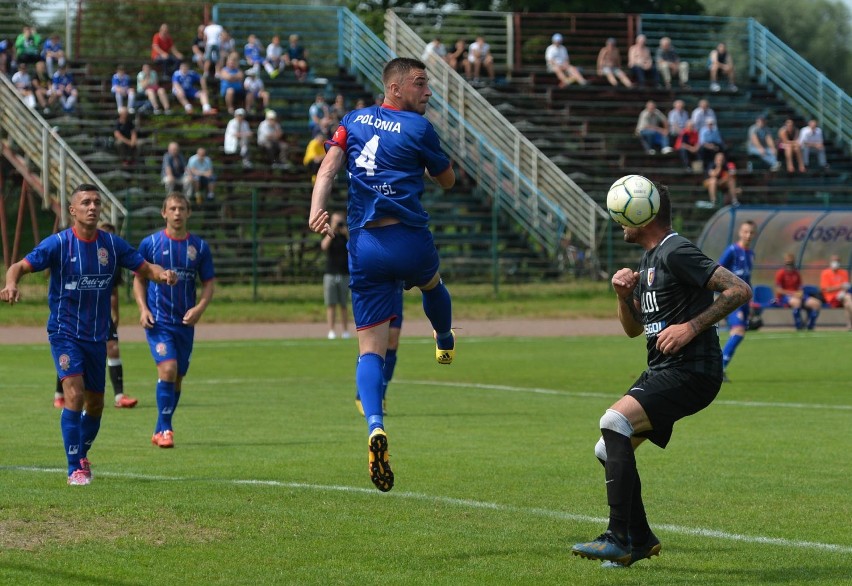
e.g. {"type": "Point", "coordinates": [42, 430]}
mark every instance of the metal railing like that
{"type": "Point", "coordinates": [528, 185]}
{"type": "Point", "coordinates": [25, 133]}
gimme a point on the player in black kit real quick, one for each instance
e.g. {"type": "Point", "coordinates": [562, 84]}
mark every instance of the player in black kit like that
{"type": "Point", "coordinates": [671, 300]}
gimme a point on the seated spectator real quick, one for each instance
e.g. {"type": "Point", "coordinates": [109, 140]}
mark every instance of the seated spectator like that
{"type": "Point", "coordinates": [668, 62]}
{"type": "Point", "coordinates": [147, 84]}
{"type": "Point", "coordinates": [183, 88]}
{"type": "Point", "coordinates": [337, 111]}
{"type": "Point", "coordinates": [701, 113]}
{"type": "Point", "coordinates": [652, 130]}
{"type": "Point", "coordinates": [457, 58]}
{"type": "Point", "coordinates": [678, 117]}
{"type": "Point", "coordinates": [231, 82]}
{"type": "Point", "coordinates": [213, 52]}
{"type": "Point", "coordinates": [122, 91]}
{"type": "Point", "coordinates": [557, 61]}
{"type": "Point", "coordinates": [789, 293]}
{"type": "Point", "coordinates": [721, 62]}
{"type": "Point", "coordinates": [237, 137]}
{"type": "Point", "coordinates": [834, 285]}
{"type": "Point", "coordinates": [609, 64]}
{"type": "Point", "coordinates": [315, 153]}
{"type": "Point", "coordinates": [788, 143]}
{"type": "Point", "coordinates": [434, 47]}
{"type": "Point", "coordinates": [479, 56]}
{"type": "Point", "coordinates": [275, 63]}
{"type": "Point", "coordinates": [53, 53]}
{"type": "Point", "coordinates": [810, 139]}
{"type": "Point", "coordinates": [41, 86]}
{"type": "Point", "coordinates": [199, 168]}
{"type": "Point", "coordinates": [686, 145]}
{"type": "Point", "coordinates": [5, 47]}
{"type": "Point", "coordinates": [296, 56]}
{"type": "Point", "coordinates": [641, 64]}
{"type": "Point", "coordinates": [255, 92]}
{"type": "Point", "coordinates": [254, 54]}
{"type": "Point", "coordinates": [173, 170]}
{"type": "Point", "coordinates": [62, 90]}
{"type": "Point", "coordinates": [722, 173]}
{"type": "Point", "coordinates": [163, 51]}
{"type": "Point", "coordinates": [319, 116]}
{"type": "Point", "coordinates": [270, 138]}
{"type": "Point", "coordinates": [199, 43]}
{"type": "Point", "coordinates": [28, 46]}
{"type": "Point", "coordinates": [760, 143]}
{"type": "Point", "coordinates": [227, 45]}
{"type": "Point", "coordinates": [24, 85]}
{"type": "Point", "coordinates": [710, 142]}
{"type": "Point", "coordinates": [126, 139]}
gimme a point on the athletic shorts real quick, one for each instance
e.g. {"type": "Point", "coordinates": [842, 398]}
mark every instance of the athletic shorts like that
{"type": "Point", "coordinates": [189, 94]}
{"type": "Point", "coordinates": [211, 53]}
{"type": "Point", "coordinates": [73, 357]}
{"type": "Point", "coordinates": [381, 258]}
{"type": "Point", "coordinates": [231, 85]}
{"type": "Point", "coordinates": [335, 289]}
{"type": "Point", "coordinates": [672, 394]}
{"type": "Point", "coordinates": [739, 317]}
{"type": "Point", "coordinates": [171, 342]}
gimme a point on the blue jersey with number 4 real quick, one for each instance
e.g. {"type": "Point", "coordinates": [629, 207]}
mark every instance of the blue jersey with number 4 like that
{"type": "Point", "coordinates": [387, 151]}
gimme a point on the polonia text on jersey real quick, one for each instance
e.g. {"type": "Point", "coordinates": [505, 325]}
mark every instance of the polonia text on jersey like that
{"type": "Point", "coordinates": [371, 120]}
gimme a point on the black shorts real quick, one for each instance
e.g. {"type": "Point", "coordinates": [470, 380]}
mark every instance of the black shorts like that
{"type": "Point", "coordinates": [672, 394]}
{"type": "Point", "coordinates": [113, 332]}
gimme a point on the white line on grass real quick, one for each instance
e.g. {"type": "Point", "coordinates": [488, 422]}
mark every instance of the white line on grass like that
{"type": "Point", "coordinates": [592, 395]}
{"type": "Point", "coordinates": [467, 503]}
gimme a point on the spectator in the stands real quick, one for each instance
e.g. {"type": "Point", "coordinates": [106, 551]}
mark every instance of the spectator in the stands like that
{"type": "Point", "coordinates": [23, 83]}
{"type": "Point", "coordinates": [710, 142]}
{"type": "Point", "coordinates": [788, 143]}
{"type": "Point", "coordinates": [760, 143]}
{"type": "Point", "coordinates": [315, 153]}
{"type": "Point", "coordinates": [434, 47]}
{"type": "Point", "coordinates": [5, 48]}
{"type": "Point", "coordinates": [275, 57]}
{"type": "Point", "coordinates": [199, 167]}
{"type": "Point", "coordinates": [183, 88]}
{"type": "Point", "coordinates": [255, 91]}
{"type": "Point", "coordinates": [237, 137]}
{"type": "Point", "coordinates": [319, 115]}
{"type": "Point", "coordinates": [270, 139]}
{"type": "Point", "coordinates": [125, 137]}
{"type": "Point", "coordinates": [28, 46]}
{"type": "Point", "coordinates": [173, 170]}
{"type": "Point", "coordinates": [641, 63]}
{"type": "Point", "coordinates": [789, 292]}
{"type": "Point", "coordinates": [652, 130]}
{"type": "Point", "coordinates": [678, 117]}
{"type": "Point", "coordinates": [231, 80]}
{"type": "Point", "coordinates": [722, 174]}
{"type": "Point", "coordinates": [338, 110]}
{"type": "Point", "coordinates": [296, 56]}
{"type": "Point", "coordinates": [609, 64]}
{"type": "Point", "coordinates": [227, 45]}
{"type": "Point", "coordinates": [721, 62]}
{"type": "Point", "coordinates": [213, 52]}
{"type": "Point", "coordinates": [147, 84]}
{"type": "Point", "coordinates": [686, 145]}
{"type": "Point", "coordinates": [254, 54]}
{"type": "Point", "coordinates": [835, 288]}
{"type": "Point", "coordinates": [811, 140]}
{"type": "Point", "coordinates": [163, 51]}
{"type": "Point", "coordinates": [62, 89]}
{"type": "Point", "coordinates": [478, 57]}
{"type": "Point", "coordinates": [123, 92]}
{"type": "Point", "coordinates": [41, 85]}
{"type": "Point", "coordinates": [701, 113]}
{"type": "Point", "coordinates": [53, 53]}
{"type": "Point", "coordinates": [457, 58]}
{"type": "Point", "coordinates": [198, 44]}
{"type": "Point", "coordinates": [668, 63]}
{"type": "Point", "coordinates": [557, 61]}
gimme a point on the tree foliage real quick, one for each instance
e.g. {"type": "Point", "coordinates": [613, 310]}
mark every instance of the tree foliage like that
{"type": "Point", "coordinates": [609, 6]}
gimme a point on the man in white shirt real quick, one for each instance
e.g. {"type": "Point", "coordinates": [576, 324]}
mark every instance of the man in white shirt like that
{"type": "Point", "coordinates": [556, 58]}
{"type": "Point", "coordinates": [479, 56]}
{"type": "Point", "coordinates": [212, 43]}
{"type": "Point", "coordinates": [270, 138]}
{"type": "Point", "coordinates": [434, 47]}
{"type": "Point", "coordinates": [811, 139]}
{"type": "Point", "coordinates": [237, 135]}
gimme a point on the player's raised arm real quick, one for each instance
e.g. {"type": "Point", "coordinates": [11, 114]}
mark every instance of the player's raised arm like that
{"type": "Point", "coordinates": [331, 164]}
{"type": "Point", "coordinates": [157, 274]}
{"type": "Point", "coordinates": [733, 293]}
{"type": "Point", "coordinates": [445, 179]}
{"type": "Point", "coordinates": [624, 282]}
{"type": "Point", "coordinates": [10, 292]}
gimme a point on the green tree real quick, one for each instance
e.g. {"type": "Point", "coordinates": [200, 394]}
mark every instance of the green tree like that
{"type": "Point", "coordinates": [626, 6]}
{"type": "Point", "coordinates": [818, 30]}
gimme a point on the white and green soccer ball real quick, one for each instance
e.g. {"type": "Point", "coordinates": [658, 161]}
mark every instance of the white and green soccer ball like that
{"type": "Point", "coordinates": [633, 201]}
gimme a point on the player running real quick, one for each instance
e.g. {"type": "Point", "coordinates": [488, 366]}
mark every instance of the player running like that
{"type": "Point", "coordinates": [739, 259]}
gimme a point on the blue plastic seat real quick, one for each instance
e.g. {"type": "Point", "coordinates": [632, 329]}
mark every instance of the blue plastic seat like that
{"type": "Point", "coordinates": [763, 296]}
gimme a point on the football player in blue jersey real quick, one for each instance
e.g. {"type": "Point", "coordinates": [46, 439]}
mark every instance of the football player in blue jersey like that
{"type": "Point", "coordinates": [83, 263]}
{"type": "Point", "coordinates": [385, 149]}
{"type": "Point", "coordinates": [739, 259]}
{"type": "Point", "coordinates": [169, 315]}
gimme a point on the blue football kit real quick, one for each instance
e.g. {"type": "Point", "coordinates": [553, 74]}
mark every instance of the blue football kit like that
{"type": "Point", "coordinates": [740, 262]}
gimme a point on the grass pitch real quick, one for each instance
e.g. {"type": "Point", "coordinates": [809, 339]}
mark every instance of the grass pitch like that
{"type": "Point", "coordinates": [496, 477]}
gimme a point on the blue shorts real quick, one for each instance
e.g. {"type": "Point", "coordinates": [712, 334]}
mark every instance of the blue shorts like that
{"type": "Point", "coordinates": [231, 85]}
{"type": "Point", "coordinates": [739, 317]}
{"type": "Point", "coordinates": [73, 357]}
{"type": "Point", "coordinates": [171, 342]}
{"type": "Point", "coordinates": [189, 94]}
{"type": "Point", "coordinates": [381, 258]}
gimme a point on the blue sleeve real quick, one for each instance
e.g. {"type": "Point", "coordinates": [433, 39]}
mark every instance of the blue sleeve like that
{"type": "Point", "coordinates": [727, 259]}
{"type": "Point", "coordinates": [145, 249]}
{"type": "Point", "coordinates": [205, 267]}
{"type": "Point", "coordinates": [42, 257]}
{"type": "Point", "coordinates": [436, 160]}
{"type": "Point", "coordinates": [128, 257]}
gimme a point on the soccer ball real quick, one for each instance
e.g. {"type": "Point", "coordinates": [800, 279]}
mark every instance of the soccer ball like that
{"type": "Point", "coordinates": [633, 201]}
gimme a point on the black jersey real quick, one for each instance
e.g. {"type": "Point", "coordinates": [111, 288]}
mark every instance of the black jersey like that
{"type": "Point", "coordinates": [671, 290]}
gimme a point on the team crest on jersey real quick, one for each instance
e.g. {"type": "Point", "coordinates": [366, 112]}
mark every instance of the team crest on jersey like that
{"type": "Point", "coordinates": [64, 362]}
{"type": "Point", "coordinates": [103, 256]}
{"type": "Point", "coordinates": [191, 252]}
{"type": "Point", "coordinates": [650, 275]}
{"type": "Point", "coordinates": [161, 349]}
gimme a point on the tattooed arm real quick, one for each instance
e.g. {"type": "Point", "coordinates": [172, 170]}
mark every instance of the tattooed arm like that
{"type": "Point", "coordinates": [624, 281]}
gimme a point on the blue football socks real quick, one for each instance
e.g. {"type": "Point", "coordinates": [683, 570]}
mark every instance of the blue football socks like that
{"type": "Point", "coordinates": [730, 348]}
{"type": "Point", "coordinates": [165, 405]}
{"type": "Point", "coordinates": [368, 378]}
{"type": "Point", "coordinates": [438, 307]}
{"type": "Point", "coordinates": [390, 364]}
{"type": "Point", "coordinates": [89, 427]}
{"type": "Point", "coordinates": [71, 435]}
{"type": "Point", "coordinates": [797, 319]}
{"type": "Point", "coordinates": [813, 314]}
